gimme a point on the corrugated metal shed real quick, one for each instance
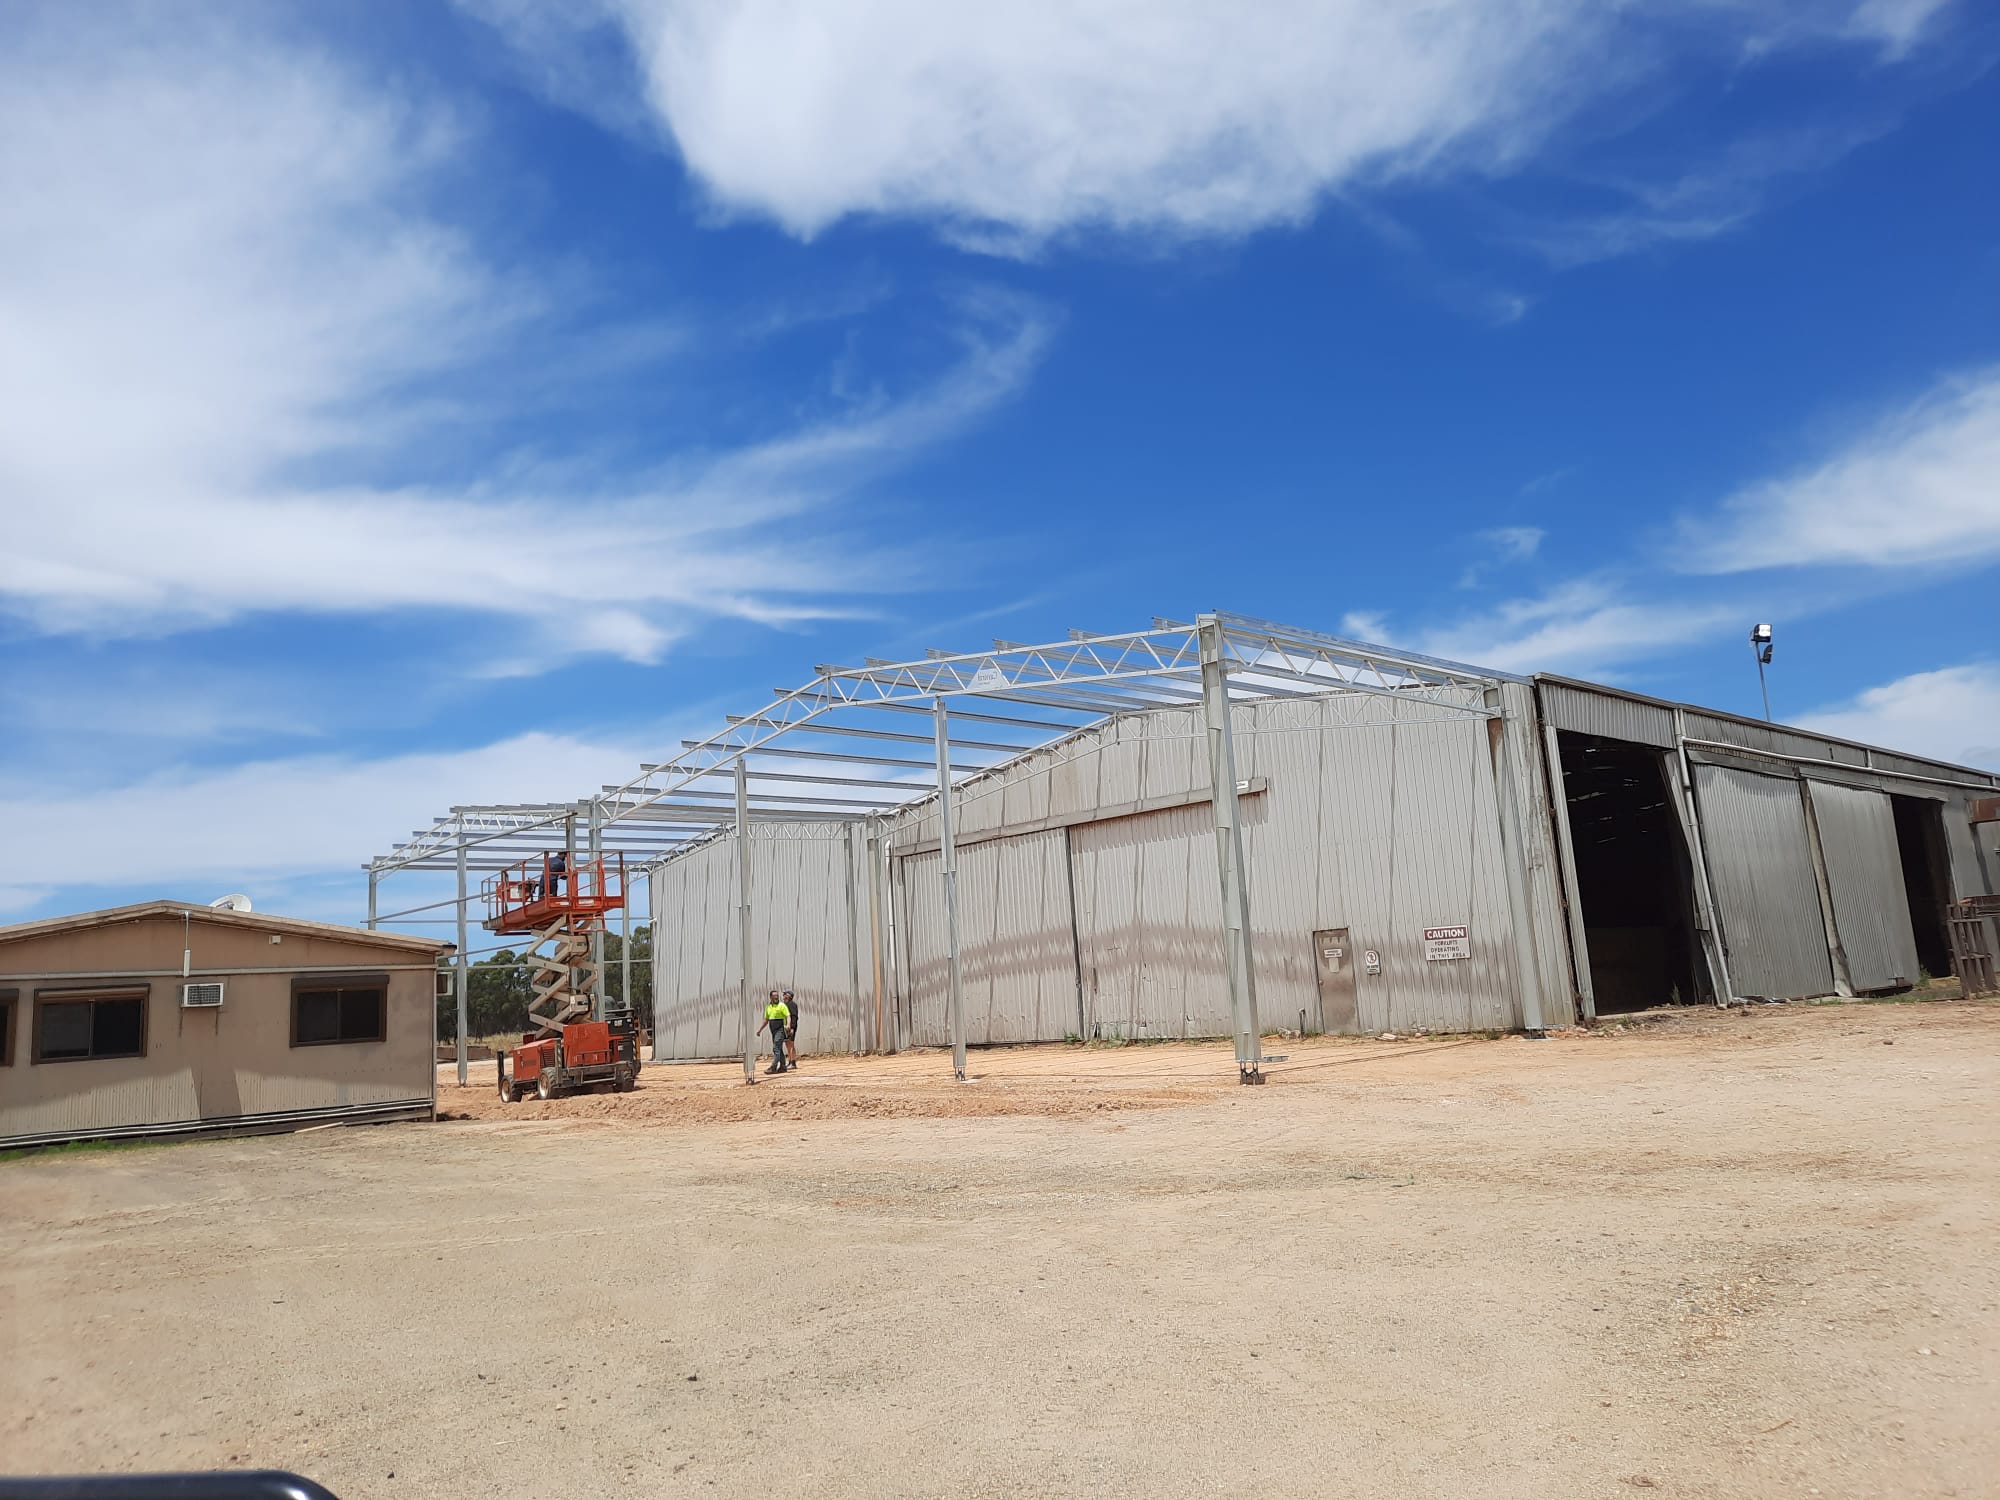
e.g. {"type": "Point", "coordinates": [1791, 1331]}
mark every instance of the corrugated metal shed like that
{"type": "Point", "coordinates": [1761, 864]}
{"type": "Point", "coordinates": [1864, 871]}
{"type": "Point", "coordinates": [1369, 813]}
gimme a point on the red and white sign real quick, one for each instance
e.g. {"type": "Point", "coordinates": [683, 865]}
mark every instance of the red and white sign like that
{"type": "Point", "coordinates": [1441, 943]}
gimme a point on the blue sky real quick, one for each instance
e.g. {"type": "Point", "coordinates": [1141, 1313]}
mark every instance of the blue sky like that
{"type": "Point", "coordinates": [409, 405]}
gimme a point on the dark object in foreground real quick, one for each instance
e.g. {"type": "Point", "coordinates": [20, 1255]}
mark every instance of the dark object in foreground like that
{"type": "Point", "coordinates": [247, 1484]}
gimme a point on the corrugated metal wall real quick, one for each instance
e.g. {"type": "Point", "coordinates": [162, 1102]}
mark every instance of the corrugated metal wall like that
{"type": "Point", "coordinates": [1972, 874]}
{"type": "Point", "coordinates": [1149, 943]}
{"type": "Point", "coordinates": [1017, 954]}
{"type": "Point", "coordinates": [1378, 815]}
{"type": "Point", "coordinates": [1864, 875]}
{"type": "Point", "coordinates": [1761, 866]}
{"type": "Point", "coordinates": [808, 933]}
{"type": "Point", "coordinates": [695, 1006]}
{"type": "Point", "coordinates": [1607, 715]}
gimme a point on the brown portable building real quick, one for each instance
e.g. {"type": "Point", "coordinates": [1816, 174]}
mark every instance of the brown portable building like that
{"type": "Point", "coordinates": [167, 1018]}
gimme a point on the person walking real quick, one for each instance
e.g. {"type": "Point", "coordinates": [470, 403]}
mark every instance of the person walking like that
{"type": "Point", "coordinates": [792, 1026]}
{"type": "Point", "coordinates": [776, 1017]}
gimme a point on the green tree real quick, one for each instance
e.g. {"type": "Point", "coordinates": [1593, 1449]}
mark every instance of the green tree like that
{"type": "Point", "coordinates": [642, 971]}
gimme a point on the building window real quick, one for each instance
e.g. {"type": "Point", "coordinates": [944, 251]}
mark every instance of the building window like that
{"type": "Point", "coordinates": [324, 1014]}
{"type": "Point", "coordinates": [70, 1027]}
{"type": "Point", "coordinates": [7, 998]}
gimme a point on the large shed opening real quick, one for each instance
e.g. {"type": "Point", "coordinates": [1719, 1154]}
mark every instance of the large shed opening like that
{"type": "Point", "coordinates": [1633, 875]}
{"type": "Point", "coordinates": [1920, 843]}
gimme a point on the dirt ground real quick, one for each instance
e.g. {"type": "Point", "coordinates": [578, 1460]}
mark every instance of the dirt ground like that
{"type": "Point", "coordinates": [1714, 1255]}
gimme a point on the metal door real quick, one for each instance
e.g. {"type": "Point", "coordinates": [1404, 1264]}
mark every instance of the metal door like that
{"type": "Point", "coordinates": [1333, 960]}
{"type": "Point", "coordinates": [1760, 863]}
{"type": "Point", "coordinates": [1864, 873]}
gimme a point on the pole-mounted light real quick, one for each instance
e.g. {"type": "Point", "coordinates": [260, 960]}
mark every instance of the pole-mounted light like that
{"type": "Point", "coordinates": [1760, 647]}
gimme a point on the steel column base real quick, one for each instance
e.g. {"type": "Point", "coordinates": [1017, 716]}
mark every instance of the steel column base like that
{"type": "Point", "coordinates": [1249, 1073]}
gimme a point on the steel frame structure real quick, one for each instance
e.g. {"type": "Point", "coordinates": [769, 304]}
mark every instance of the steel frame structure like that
{"type": "Point", "coordinates": [844, 748]}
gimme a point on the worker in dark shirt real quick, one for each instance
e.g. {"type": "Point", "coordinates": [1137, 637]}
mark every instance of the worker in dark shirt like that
{"type": "Point", "coordinates": [792, 1025]}
{"type": "Point", "coordinates": [558, 867]}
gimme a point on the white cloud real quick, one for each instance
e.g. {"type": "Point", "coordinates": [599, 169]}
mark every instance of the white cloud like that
{"type": "Point", "coordinates": [1009, 123]}
{"type": "Point", "coordinates": [276, 820]}
{"type": "Point", "coordinates": [1585, 626]}
{"type": "Point", "coordinates": [1922, 487]}
{"type": "Point", "coordinates": [1952, 713]}
{"type": "Point", "coordinates": [229, 304]}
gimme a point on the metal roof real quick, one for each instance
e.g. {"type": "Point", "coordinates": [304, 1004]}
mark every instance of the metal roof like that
{"type": "Point", "coordinates": [201, 911]}
{"type": "Point", "coordinates": [1754, 733]}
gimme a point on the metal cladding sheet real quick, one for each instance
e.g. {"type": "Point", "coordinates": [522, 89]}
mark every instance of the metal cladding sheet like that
{"type": "Point", "coordinates": [1760, 863]}
{"type": "Point", "coordinates": [1864, 872]}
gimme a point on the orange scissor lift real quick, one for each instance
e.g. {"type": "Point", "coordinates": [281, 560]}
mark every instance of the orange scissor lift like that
{"type": "Point", "coordinates": [561, 903]}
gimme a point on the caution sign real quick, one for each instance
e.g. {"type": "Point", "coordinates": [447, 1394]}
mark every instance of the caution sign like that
{"type": "Point", "coordinates": [1441, 943]}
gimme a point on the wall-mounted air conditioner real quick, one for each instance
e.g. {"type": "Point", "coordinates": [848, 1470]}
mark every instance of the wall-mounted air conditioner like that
{"type": "Point", "coordinates": [204, 996]}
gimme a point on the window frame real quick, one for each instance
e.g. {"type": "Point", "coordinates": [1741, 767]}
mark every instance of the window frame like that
{"type": "Point", "coordinates": [10, 1002]}
{"type": "Point", "coordinates": [313, 984]}
{"type": "Point", "coordinates": [142, 993]}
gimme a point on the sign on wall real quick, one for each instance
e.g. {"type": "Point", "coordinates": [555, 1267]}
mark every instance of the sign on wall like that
{"type": "Point", "coordinates": [1441, 943]}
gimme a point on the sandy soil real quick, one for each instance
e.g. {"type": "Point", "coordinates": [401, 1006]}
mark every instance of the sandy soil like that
{"type": "Point", "coordinates": [1713, 1256]}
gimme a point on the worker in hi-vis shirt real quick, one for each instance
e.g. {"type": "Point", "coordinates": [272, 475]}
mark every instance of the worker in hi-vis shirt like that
{"type": "Point", "coordinates": [777, 1019]}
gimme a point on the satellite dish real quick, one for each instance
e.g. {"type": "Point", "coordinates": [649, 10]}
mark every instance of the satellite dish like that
{"type": "Point", "coordinates": [236, 902]}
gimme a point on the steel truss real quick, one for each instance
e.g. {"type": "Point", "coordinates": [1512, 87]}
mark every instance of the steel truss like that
{"type": "Point", "coordinates": [846, 747]}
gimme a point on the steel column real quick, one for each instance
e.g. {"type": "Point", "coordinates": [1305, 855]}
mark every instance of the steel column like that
{"type": "Point", "coordinates": [461, 977]}
{"type": "Point", "coordinates": [850, 852]}
{"type": "Point", "coordinates": [625, 946]}
{"type": "Point", "coordinates": [743, 922]}
{"type": "Point", "coordinates": [948, 858]}
{"type": "Point", "coordinates": [1237, 958]}
{"type": "Point", "coordinates": [877, 931]}
{"type": "Point", "coordinates": [597, 933]}
{"type": "Point", "coordinates": [373, 877]}
{"type": "Point", "coordinates": [1514, 862]}
{"type": "Point", "coordinates": [1579, 939]}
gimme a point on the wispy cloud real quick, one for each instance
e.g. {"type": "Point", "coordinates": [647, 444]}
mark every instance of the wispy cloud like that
{"type": "Point", "coordinates": [1700, 204]}
{"type": "Point", "coordinates": [1917, 488]}
{"type": "Point", "coordinates": [282, 819]}
{"type": "Point", "coordinates": [1503, 545]}
{"type": "Point", "coordinates": [1009, 124]}
{"type": "Point", "coordinates": [235, 313]}
{"type": "Point", "coordinates": [1952, 713]}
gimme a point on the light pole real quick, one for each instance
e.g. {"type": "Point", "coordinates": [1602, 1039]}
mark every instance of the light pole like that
{"type": "Point", "coordinates": [1760, 647]}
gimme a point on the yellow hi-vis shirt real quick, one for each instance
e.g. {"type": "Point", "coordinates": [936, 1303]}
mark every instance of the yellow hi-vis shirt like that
{"type": "Point", "coordinates": [775, 1011]}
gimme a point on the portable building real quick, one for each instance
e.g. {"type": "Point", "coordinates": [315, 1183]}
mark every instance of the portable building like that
{"type": "Point", "coordinates": [166, 1018]}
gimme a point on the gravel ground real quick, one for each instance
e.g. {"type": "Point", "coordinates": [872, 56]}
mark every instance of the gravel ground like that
{"type": "Point", "coordinates": [1710, 1256]}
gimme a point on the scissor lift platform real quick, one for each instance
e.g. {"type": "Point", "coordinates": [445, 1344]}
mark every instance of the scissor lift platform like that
{"type": "Point", "coordinates": [537, 893]}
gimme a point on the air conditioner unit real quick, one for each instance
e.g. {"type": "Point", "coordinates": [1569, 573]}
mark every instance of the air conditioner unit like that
{"type": "Point", "coordinates": [204, 996]}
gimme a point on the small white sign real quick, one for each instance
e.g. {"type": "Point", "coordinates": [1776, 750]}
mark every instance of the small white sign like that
{"type": "Point", "coordinates": [987, 679]}
{"type": "Point", "coordinates": [1371, 961]}
{"type": "Point", "coordinates": [1441, 943]}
